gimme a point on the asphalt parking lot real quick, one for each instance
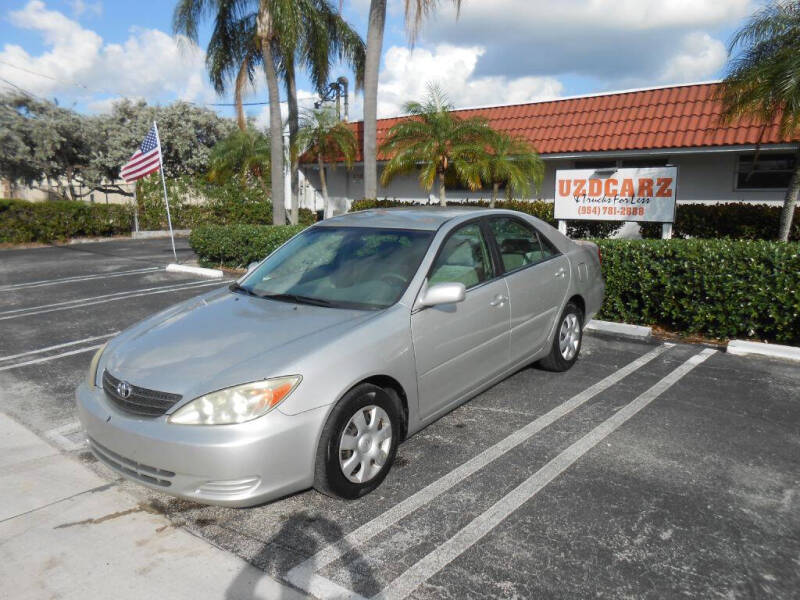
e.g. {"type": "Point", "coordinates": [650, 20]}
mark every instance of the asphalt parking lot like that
{"type": "Point", "coordinates": [648, 470]}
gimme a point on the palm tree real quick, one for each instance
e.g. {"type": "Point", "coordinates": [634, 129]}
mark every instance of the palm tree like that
{"type": "Point", "coordinates": [277, 24]}
{"type": "Point", "coordinates": [416, 11]}
{"type": "Point", "coordinates": [326, 138]}
{"type": "Point", "coordinates": [509, 161]}
{"type": "Point", "coordinates": [435, 140]}
{"type": "Point", "coordinates": [324, 37]}
{"type": "Point", "coordinates": [244, 155]}
{"type": "Point", "coordinates": [763, 82]}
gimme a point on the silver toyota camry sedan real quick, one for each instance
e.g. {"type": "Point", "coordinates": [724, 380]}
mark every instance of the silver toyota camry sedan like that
{"type": "Point", "coordinates": [352, 336]}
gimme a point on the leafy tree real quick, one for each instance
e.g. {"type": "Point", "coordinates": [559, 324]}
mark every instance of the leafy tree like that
{"type": "Point", "coordinates": [44, 145]}
{"type": "Point", "coordinates": [187, 133]}
{"type": "Point", "coordinates": [326, 138]}
{"type": "Point", "coordinates": [324, 36]}
{"type": "Point", "coordinates": [416, 11]}
{"type": "Point", "coordinates": [511, 162]}
{"type": "Point", "coordinates": [277, 25]}
{"type": "Point", "coordinates": [244, 156]}
{"type": "Point", "coordinates": [57, 149]}
{"type": "Point", "coordinates": [763, 82]}
{"type": "Point", "coordinates": [434, 139]}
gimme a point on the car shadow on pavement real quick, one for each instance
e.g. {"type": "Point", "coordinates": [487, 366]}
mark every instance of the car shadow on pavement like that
{"type": "Point", "coordinates": [305, 533]}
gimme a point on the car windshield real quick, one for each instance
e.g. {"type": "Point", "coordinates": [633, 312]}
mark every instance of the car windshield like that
{"type": "Point", "coordinates": [343, 267]}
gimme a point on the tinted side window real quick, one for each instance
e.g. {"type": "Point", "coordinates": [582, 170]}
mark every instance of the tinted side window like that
{"type": "Point", "coordinates": [464, 258]}
{"type": "Point", "coordinates": [519, 245]}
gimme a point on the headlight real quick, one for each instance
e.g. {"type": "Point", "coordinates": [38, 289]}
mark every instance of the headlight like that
{"type": "Point", "coordinates": [91, 376]}
{"type": "Point", "coordinates": [236, 404]}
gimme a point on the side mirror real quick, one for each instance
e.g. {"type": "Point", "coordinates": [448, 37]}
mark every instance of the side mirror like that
{"type": "Point", "coordinates": [443, 293]}
{"type": "Point", "coordinates": [251, 267]}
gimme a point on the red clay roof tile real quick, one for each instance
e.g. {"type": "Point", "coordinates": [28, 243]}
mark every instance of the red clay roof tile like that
{"type": "Point", "coordinates": [680, 116]}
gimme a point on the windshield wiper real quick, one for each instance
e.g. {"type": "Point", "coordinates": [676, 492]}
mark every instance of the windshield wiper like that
{"type": "Point", "coordinates": [300, 299]}
{"type": "Point", "coordinates": [235, 287]}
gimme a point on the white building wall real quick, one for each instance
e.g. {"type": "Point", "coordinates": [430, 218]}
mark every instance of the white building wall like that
{"type": "Point", "coordinates": [702, 177]}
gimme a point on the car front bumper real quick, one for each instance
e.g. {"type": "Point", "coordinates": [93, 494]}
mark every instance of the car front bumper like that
{"type": "Point", "coordinates": [229, 465]}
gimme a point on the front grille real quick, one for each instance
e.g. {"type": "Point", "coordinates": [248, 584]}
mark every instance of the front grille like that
{"type": "Point", "coordinates": [141, 402]}
{"type": "Point", "coordinates": [145, 473]}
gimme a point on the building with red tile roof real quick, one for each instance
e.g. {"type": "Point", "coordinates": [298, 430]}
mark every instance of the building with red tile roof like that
{"type": "Point", "coordinates": [678, 125]}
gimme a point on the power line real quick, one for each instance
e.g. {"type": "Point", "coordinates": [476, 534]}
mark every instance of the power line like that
{"type": "Point", "coordinates": [81, 85]}
{"type": "Point", "coordinates": [2, 62]}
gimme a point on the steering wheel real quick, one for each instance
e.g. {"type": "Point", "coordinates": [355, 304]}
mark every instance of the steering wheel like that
{"type": "Point", "coordinates": [393, 278]}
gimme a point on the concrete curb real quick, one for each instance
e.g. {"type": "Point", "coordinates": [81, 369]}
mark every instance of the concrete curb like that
{"type": "Point", "coordinates": [147, 235]}
{"type": "Point", "coordinates": [209, 273]}
{"type": "Point", "coordinates": [745, 348]}
{"type": "Point", "coordinates": [637, 332]}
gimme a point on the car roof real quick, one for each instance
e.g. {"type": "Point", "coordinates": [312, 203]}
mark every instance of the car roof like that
{"type": "Point", "coordinates": [427, 218]}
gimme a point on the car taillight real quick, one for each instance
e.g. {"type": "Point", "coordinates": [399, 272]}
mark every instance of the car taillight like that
{"type": "Point", "coordinates": [599, 255]}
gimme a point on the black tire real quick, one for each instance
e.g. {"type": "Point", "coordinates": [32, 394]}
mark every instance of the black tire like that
{"type": "Point", "coordinates": [329, 477]}
{"type": "Point", "coordinates": [556, 361]}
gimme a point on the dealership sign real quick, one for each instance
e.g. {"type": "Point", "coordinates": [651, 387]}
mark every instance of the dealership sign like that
{"type": "Point", "coordinates": [616, 194]}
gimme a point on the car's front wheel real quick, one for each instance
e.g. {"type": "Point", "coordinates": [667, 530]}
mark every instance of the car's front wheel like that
{"type": "Point", "coordinates": [358, 442]}
{"type": "Point", "coordinates": [567, 340]}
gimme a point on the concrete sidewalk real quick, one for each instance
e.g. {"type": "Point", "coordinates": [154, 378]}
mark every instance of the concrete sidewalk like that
{"type": "Point", "coordinates": [66, 533]}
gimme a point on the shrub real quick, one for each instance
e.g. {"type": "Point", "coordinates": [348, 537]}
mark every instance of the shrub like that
{"type": "Point", "coordinates": [736, 220]}
{"type": "Point", "coordinates": [718, 288]}
{"type": "Point", "coordinates": [223, 204]}
{"type": "Point", "coordinates": [238, 245]}
{"type": "Point", "coordinates": [22, 221]}
{"type": "Point", "coordinates": [538, 208]}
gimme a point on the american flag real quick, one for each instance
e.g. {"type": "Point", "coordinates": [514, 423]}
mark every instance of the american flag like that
{"type": "Point", "coordinates": [145, 160]}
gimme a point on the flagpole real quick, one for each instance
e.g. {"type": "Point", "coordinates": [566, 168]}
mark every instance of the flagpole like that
{"type": "Point", "coordinates": [164, 183]}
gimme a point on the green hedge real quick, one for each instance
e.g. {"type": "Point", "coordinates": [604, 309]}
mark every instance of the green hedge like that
{"type": "Point", "coordinates": [223, 204]}
{"type": "Point", "coordinates": [238, 245]}
{"type": "Point", "coordinates": [22, 221]}
{"type": "Point", "coordinates": [717, 288]}
{"type": "Point", "coordinates": [537, 208]}
{"type": "Point", "coordinates": [735, 220]}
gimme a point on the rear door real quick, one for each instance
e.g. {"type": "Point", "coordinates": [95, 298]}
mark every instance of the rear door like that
{"type": "Point", "coordinates": [457, 347]}
{"type": "Point", "coordinates": [537, 276]}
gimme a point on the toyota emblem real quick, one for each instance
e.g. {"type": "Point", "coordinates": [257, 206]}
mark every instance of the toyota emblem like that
{"type": "Point", "coordinates": [124, 389]}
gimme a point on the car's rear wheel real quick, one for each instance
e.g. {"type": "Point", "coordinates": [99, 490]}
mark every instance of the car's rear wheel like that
{"type": "Point", "coordinates": [567, 340]}
{"type": "Point", "coordinates": [358, 443]}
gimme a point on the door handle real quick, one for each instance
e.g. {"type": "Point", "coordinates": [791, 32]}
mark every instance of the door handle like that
{"type": "Point", "coordinates": [561, 272]}
{"type": "Point", "coordinates": [499, 300]}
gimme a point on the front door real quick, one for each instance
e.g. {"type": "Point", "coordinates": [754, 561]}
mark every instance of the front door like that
{"type": "Point", "coordinates": [459, 346]}
{"type": "Point", "coordinates": [538, 278]}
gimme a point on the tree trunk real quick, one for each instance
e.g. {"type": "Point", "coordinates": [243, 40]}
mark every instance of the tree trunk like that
{"type": "Point", "coordinates": [324, 185]}
{"type": "Point", "coordinates": [275, 124]}
{"type": "Point", "coordinates": [495, 189]}
{"type": "Point", "coordinates": [790, 201]}
{"type": "Point", "coordinates": [442, 190]}
{"type": "Point", "coordinates": [377, 19]}
{"type": "Point", "coordinates": [238, 94]}
{"type": "Point", "coordinates": [294, 127]}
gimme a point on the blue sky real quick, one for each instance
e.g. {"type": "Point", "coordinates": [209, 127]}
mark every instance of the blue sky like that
{"type": "Point", "coordinates": [88, 53]}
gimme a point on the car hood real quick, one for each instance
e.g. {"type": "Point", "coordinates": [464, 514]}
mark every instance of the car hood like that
{"type": "Point", "coordinates": [188, 349]}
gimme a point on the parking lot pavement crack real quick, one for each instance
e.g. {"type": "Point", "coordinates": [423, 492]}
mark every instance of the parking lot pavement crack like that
{"type": "Point", "coordinates": [94, 490]}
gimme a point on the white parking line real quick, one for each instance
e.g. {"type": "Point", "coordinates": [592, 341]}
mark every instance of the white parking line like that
{"type": "Point", "coordinates": [43, 282]}
{"type": "Point", "coordinates": [57, 346]}
{"type": "Point", "coordinates": [435, 561]}
{"type": "Point", "coordinates": [36, 361]}
{"type": "Point", "coordinates": [304, 575]}
{"type": "Point", "coordinates": [46, 308]}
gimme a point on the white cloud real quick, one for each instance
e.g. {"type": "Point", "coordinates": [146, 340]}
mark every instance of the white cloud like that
{"type": "Point", "coordinates": [611, 41]}
{"type": "Point", "coordinates": [80, 65]}
{"type": "Point", "coordinates": [698, 56]}
{"type": "Point", "coordinates": [407, 73]}
{"type": "Point", "coordinates": [80, 7]}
